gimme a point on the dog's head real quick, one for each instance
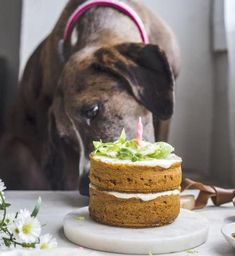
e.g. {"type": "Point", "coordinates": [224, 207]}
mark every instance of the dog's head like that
{"type": "Point", "coordinates": [101, 91]}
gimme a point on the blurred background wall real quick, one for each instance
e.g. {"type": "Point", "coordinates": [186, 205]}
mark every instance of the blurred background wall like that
{"type": "Point", "coordinates": [230, 28]}
{"type": "Point", "coordinates": [10, 28]}
{"type": "Point", "coordinates": [203, 126]}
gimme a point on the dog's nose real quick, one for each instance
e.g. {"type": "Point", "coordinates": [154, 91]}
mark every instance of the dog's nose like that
{"type": "Point", "coordinates": [83, 185]}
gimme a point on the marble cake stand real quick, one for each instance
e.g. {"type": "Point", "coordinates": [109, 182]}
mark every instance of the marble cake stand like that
{"type": "Point", "coordinates": [188, 231]}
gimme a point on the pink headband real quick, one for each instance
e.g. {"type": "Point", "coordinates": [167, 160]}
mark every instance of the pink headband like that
{"type": "Point", "coordinates": [124, 8]}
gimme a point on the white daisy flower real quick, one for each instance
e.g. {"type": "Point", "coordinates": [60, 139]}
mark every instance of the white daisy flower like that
{"type": "Point", "coordinates": [2, 186]}
{"type": "Point", "coordinates": [47, 242]}
{"type": "Point", "coordinates": [29, 230]}
{"type": "Point", "coordinates": [25, 228]}
{"type": "Point", "coordinates": [23, 213]}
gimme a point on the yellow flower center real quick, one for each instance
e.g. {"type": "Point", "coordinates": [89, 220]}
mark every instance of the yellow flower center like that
{"type": "Point", "coordinates": [44, 246]}
{"type": "Point", "coordinates": [27, 228]}
{"type": "Point", "coordinates": [17, 231]}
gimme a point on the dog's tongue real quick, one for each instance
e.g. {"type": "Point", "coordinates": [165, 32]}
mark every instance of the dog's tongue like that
{"type": "Point", "coordinates": [139, 132]}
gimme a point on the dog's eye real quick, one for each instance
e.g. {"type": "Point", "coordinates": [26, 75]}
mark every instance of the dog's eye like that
{"type": "Point", "coordinates": [91, 111]}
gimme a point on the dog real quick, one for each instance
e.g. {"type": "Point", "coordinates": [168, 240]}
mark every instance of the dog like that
{"type": "Point", "coordinates": [88, 88]}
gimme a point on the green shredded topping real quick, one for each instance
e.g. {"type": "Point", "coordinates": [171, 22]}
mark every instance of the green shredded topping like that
{"type": "Point", "coordinates": [79, 217]}
{"type": "Point", "coordinates": [129, 149]}
{"type": "Point", "coordinates": [192, 251]}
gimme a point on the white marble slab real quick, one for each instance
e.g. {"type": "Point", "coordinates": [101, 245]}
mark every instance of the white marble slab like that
{"type": "Point", "coordinates": [188, 231]}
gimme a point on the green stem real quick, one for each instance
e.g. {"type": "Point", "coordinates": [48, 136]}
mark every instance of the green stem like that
{"type": "Point", "coordinates": [30, 245]}
{"type": "Point", "coordinates": [11, 238]}
{"type": "Point", "coordinates": [9, 233]}
{"type": "Point", "coordinates": [5, 212]}
{"type": "Point", "coordinates": [17, 243]}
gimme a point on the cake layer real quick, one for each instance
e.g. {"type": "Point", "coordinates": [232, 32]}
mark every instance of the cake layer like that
{"type": "Point", "coordinates": [138, 177]}
{"type": "Point", "coordinates": [142, 196]}
{"type": "Point", "coordinates": [163, 163]}
{"type": "Point", "coordinates": [133, 212]}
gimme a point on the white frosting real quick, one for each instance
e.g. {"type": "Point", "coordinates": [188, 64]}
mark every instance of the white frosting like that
{"type": "Point", "coordinates": [164, 163]}
{"type": "Point", "coordinates": [142, 196]}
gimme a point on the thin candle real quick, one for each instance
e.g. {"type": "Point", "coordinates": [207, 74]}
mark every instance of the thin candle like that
{"type": "Point", "coordinates": [139, 132]}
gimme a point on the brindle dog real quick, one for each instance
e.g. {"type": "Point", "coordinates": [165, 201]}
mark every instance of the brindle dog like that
{"type": "Point", "coordinates": [107, 80]}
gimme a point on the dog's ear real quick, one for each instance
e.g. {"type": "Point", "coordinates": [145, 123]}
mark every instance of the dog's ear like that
{"type": "Point", "coordinates": [52, 159]}
{"type": "Point", "coordinates": [146, 71]}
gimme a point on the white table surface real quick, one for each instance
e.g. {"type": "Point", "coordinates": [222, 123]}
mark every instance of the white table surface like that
{"type": "Point", "coordinates": [55, 205]}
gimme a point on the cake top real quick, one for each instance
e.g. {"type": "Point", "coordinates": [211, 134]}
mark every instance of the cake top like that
{"type": "Point", "coordinates": [134, 150]}
{"type": "Point", "coordinates": [153, 162]}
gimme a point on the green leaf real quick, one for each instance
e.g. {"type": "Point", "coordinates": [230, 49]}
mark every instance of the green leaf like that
{"type": "Point", "coordinates": [163, 149]}
{"type": "Point", "coordinates": [122, 138]}
{"type": "Point", "coordinates": [7, 241]}
{"type": "Point", "coordinates": [130, 150]}
{"type": "Point", "coordinates": [36, 208]}
{"type": "Point", "coordinates": [131, 143]}
{"type": "Point", "coordinates": [97, 144]}
{"type": "Point", "coordinates": [2, 206]}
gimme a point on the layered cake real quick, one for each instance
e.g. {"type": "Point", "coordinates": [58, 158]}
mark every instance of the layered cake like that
{"type": "Point", "coordinates": [134, 184]}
